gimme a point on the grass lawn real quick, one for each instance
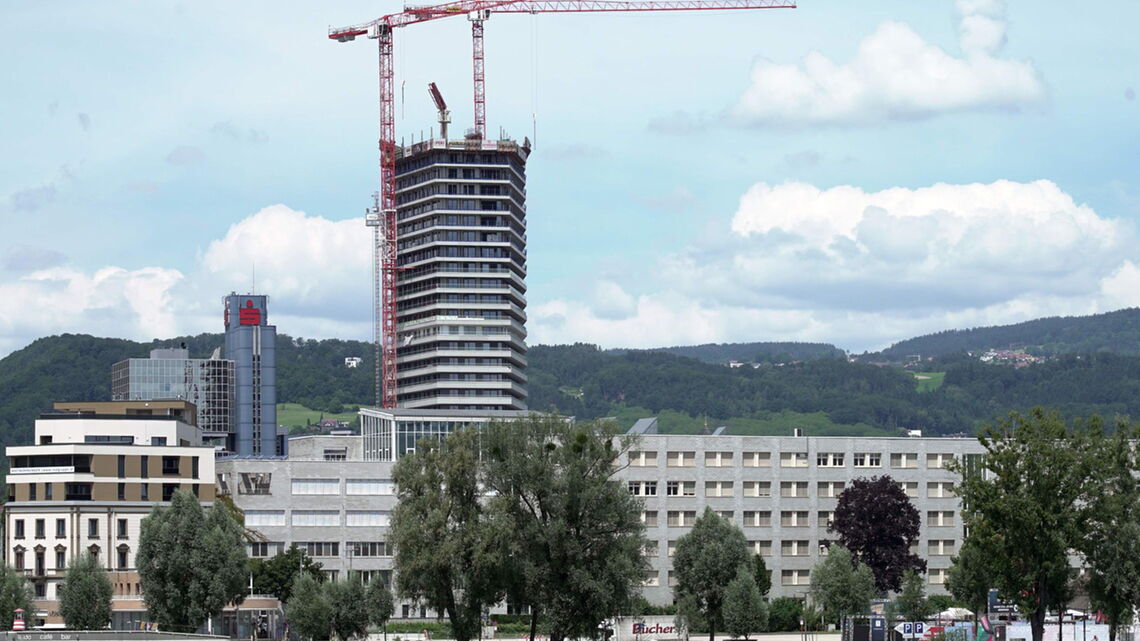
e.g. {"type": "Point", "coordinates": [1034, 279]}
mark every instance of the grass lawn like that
{"type": "Point", "coordinates": [294, 415]}
{"type": "Point", "coordinates": [929, 381]}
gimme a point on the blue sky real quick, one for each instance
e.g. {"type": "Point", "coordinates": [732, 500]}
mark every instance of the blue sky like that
{"type": "Point", "coordinates": [854, 173]}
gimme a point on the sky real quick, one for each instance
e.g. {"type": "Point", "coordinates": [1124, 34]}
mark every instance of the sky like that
{"type": "Point", "coordinates": [850, 173]}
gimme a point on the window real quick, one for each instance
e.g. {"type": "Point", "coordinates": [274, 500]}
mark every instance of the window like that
{"type": "Point", "coordinates": [725, 514]}
{"type": "Point", "coordinates": [144, 467]}
{"type": "Point", "coordinates": [121, 528]}
{"type": "Point", "coordinates": [937, 575]}
{"type": "Point", "coordinates": [77, 491]}
{"type": "Point", "coordinates": [643, 488]}
{"type": "Point", "coordinates": [649, 518]}
{"type": "Point", "coordinates": [940, 490]}
{"type": "Point", "coordinates": [718, 459]}
{"type": "Point", "coordinates": [336, 454]}
{"type": "Point", "coordinates": [60, 558]}
{"type": "Point", "coordinates": [255, 482]}
{"type": "Point", "coordinates": [92, 528]}
{"type": "Point", "coordinates": [793, 459]}
{"type": "Point", "coordinates": [825, 547]}
{"type": "Point", "coordinates": [265, 518]}
{"type": "Point", "coordinates": [19, 529]}
{"type": "Point", "coordinates": [367, 548]}
{"type": "Point", "coordinates": [19, 558]}
{"type": "Point", "coordinates": [368, 487]}
{"type": "Point", "coordinates": [940, 547]}
{"type": "Point", "coordinates": [168, 490]}
{"type": "Point", "coordinates": [680, 488]}
{"type": "Point", "coordinates": [122, 558]}
{"type": "Point", "coordinates": [794, 489]}
{"type": "Point", "coordinates": [40, 592]}
{"type": "Point", "coordinates": [939, 518]}
{"type": "Point", "coordinates": [794, 518]}
{"type": "Point", "coordinates": [910, 488]}
{"type": "Point", "coordinates": [264, 549]}
{"type": "Point", "coordinates": [61, 528]}
{"type": "Point", "coordinates": [39, 528]}
{"type": "Point", "coordinates": [94, 550]}
{"type": "Point", "coordinates": [651, 549]}
{"type": "Point", "coordinates": [753, 518]}
{"type": "Point", "coordinates": [158, 440]}
{"type": "Point", "coordinates": [824, 519]}
{"type": "Point", "coordinates": [122, 491]}
{"type": "Point", "coordinates": [316, 518]}
{"type": "Point", "coordinates": [194, 467]}
{"type": "Point", "coordinates": [144, 491]}
{"type": "Point", "coordinates": [679, 518]}
{"type": "Point", "coordinates": [830, 489]}
{"type": "Point", "coordinates": [170, 465]}
{"type": "Point", "coordinates": [718, 488]}
{"type": "Point", "coordinates": [757, 459]}
{"type": "Point", "coordinates": [48, 491]}
{"type": "Point", "coordinates": [757, 488]}
{"type": "Point", "coordinates": [316, 486]}
{"type": "Point", "coordinates": [642, 459]}
{"type": "Point", "coordinates": [672, 579]}
{"type": "Point", "coordinates": [904, 460]}
{"type": "Point", "coordinates": [651, 579]}
{"type": "Point", "coordinates": [795, 577]}
{"type": "Point", "coordinates": [671, 548]}
{"type": "Point", "coordinates": [938, 461]}
{"type": "Point", "coordinates": [41, 565]}
{"type": "Point", "coordinates": [320, 548]}
{"type": "Point", "coordinates": [763, 547]}
{"type": "Point", "coordinates": [367, 518]}
{"type": "Point", "coordinates": [867, 459]}
{"type": "Point", "coordinates": [122, 467]}
{"type": "Point", "coordinates": [31, 491]}
{"type": "Point", "coordinates": [829, 459]}
{"type": "Point", "coordinates": [681, 459]}
{"type": "Point", "coordinates": [794, 548]}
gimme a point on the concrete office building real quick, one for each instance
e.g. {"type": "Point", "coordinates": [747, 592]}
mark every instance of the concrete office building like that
{"type": "Point", "coordinates": [461, 292]}
{"type": "Point", "coordinates": [251, 345]}
{"type": "Point", "coordinates": [95, 471]}
{"type": "Point", "coordinates": [169, 374]}
{"type": "Point", "coordinates": [333, 494]}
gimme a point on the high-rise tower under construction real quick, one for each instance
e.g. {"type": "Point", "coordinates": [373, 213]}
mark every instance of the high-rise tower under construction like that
{"type": "Point", "coordinates": [461, 292]}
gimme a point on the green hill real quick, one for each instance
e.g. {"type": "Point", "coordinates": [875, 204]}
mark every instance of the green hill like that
{"type": "Point", "coordinates": [722, 353]}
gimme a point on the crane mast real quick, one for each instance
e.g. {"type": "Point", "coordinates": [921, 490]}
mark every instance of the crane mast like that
{"type": "Point", "coordinates": [381, 217]}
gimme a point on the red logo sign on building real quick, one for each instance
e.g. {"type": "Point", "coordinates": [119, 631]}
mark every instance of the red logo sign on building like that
{"type": "Point", "coordinates": [249, 315]}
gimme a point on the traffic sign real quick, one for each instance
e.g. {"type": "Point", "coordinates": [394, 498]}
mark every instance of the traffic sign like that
{"type": "Point", "coordinates": [911, 630]}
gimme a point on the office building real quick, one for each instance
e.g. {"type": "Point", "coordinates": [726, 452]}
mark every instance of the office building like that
{"type": "Point", "coordinates": [95, 471]}
{"type": "Point", "coordinates": [251, 345]}
{"type": "Point", "coordinates": [334, 495]}
{"type": "Point", "coordinates": [461, 292]}
{"type": "Point", "coordinates": [170, 374]}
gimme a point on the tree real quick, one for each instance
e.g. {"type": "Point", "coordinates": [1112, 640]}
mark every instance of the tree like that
{"type": "Point", "coordinates": [761, 575]}
{"type": "Point", "coordinates": [841, 585]}
{"type": "Point", "coordinates": [968, 579]}
{"type": "Point", "coordinates": [378, 598]}
{"type": "Point", "coordinates": [1021, 502]}
{"type": "Point", "coordinates": [877, 522]}
{"type": "Point", "coordinates": [1111, 544]}
{"type": "Point", "coordinates": [346, 599]}
{"type": "Point", "coordinates": [784, 614]}
{"type": "Point", "coordinates": [448, 549]}
{"type": "Point", "coordinates": [15, 593]}
{"type": "Point", "coordinates": [308, 609]}
{"type": "Point", "coordinates": [911, 600]}
{"type": "Point", "coordinates": [276, 575]}
{"type": "Point", "coordinates": [85, 594]}
{"type": "Point", "coordinates": [191, 563]}
{"type": "Point", "coordinates": [706, 560]}
{"type": "Point", "coordinates": [575, 540]}
{"type": "Point", "coordinates": [744, 609]}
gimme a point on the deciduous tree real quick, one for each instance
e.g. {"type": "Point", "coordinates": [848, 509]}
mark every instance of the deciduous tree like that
{"type": "Point", "coordinates": [85, 594]}
{"type": "Point", "coordinates": [706, 560]}
{"type": "Point", "coordinates": [760, 572]}
{"type": "Point", "coordinates": [349, 619]}
{"type": "Point", "coordinates": [308, 610]}
{"type": "Point", "coordinates": [15, 593]}
{"type": "Point", "coordinates": [911, 601]}
{"type": "Point", "coordinates": [381, 606]}
{"type": "Point", "coordinates": [744, 609]}
{"type": "Point", "coordinates": [970, 576]}
{"type": "Point", "coordinates": [449, 551]}
{"type": "Point", "coordinates": [575, 539]}
{"type": "Point", "coordinates": [877, 522]}
{"type": "Point", "coordinates": [191, 563]}
{"type": "Point", "coordinates": [276, 575]}
{"type": "Point", "coordinates": [841, 585]}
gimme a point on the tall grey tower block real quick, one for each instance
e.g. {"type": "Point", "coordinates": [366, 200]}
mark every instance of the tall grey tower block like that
{"type": "Point", "coordinates": [250, 344]}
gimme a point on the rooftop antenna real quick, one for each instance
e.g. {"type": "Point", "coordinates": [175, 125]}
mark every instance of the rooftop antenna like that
{"type": "Point", "coordinates": [253, 277]}
{"type": "Point", "coordinates": [441, 106]}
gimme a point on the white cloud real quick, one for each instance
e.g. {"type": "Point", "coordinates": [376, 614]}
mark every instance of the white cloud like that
{"type": "Point", "coordinates": [895, 75]}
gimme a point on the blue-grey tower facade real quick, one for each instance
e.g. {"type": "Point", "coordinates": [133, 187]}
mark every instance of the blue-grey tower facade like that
{"type": "Point", "coordinates": [250, 343]}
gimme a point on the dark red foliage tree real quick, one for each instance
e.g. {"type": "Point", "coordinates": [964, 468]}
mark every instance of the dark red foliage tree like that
{"type": "Point", "coordinates": [878, 523]}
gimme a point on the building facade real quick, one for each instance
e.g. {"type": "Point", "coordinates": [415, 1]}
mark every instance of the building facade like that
{"type": "Point", "coordinates": [461, 292]}
{"type": "Point", "coordinates": [251, 345]}
{"type": "Point", "coordinates": [335, 494]}
{"type": "Point", "coordinates": [170, 374]}
{"type": "Point", "coordinates": [85, 486]}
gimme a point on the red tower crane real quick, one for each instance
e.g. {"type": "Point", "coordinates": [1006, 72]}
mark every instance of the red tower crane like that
{"type": "Point", "coordinates": [382, 215]}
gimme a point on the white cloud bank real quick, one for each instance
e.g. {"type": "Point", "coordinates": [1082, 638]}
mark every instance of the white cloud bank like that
{"type": "Point", "coordinates": [895, 75]}
{"type": "Point", "coordinates": [862, 269]}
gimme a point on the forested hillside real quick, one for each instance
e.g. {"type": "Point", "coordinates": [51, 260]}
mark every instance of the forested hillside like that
{"type": "Point", "coordinates": [1115, 332]}
{"type": "Point", "coordinates": [751, 352]}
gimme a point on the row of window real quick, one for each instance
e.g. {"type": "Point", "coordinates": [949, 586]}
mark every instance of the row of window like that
{"type": "Point", "coordinates": [788, 489]}
{"type": "Point", "coordinates": [788, 518]}
{"type": "Point", "coordinates": [318, 518]}
{"type": "Point", "coordinates": [352, 487]}
{"type": "Point", "coordinates": [40, 525]}
{"type": "Point", "coordinates": [171, 465]}
{"type": "Point", "coordinates": [899, 460]}
{"type": "Point", "coordinates": [652, 578]}
{"type": "Point", "coordinates": [354, 549]}
{"type": "Point", "coordinates": [803, 547]}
